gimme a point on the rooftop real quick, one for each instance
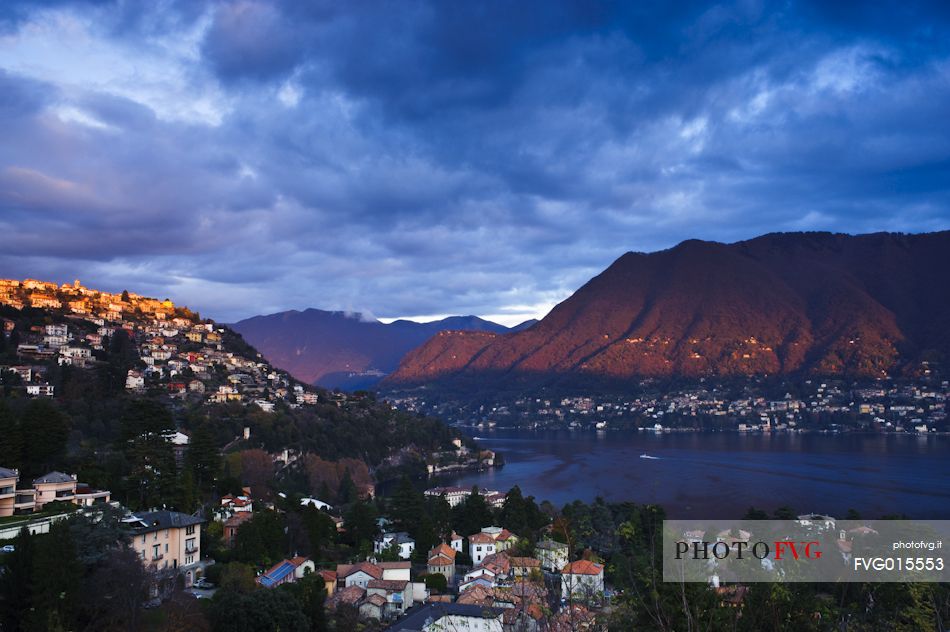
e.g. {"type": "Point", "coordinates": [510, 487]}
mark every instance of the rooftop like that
{"type": "Point", "coordinates": [54, 477]}
{"type": "Point", "coordinates": [432, 612]}
{"type": "Point", "coordinates": [583, 567]}
{"type": "Point", "coordinates": [157, 520]}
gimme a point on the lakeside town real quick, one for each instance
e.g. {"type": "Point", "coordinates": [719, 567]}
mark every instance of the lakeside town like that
{"type": "Point", "coordinates": [903, 405]}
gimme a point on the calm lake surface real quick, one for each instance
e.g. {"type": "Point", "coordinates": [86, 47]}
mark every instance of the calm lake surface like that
{"type": "Point", "coordinates": [719, 475]}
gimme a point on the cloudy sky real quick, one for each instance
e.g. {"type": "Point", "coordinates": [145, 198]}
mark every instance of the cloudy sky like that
{"type": "Point", "coordinates": [423, 158]}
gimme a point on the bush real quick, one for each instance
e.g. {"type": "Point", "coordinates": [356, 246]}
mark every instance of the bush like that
{"type": "Point", "coordinates": [436, 582]}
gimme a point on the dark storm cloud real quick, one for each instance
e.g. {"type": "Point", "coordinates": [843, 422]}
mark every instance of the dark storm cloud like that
{"type": "Point", "coordinates": [431, 157]}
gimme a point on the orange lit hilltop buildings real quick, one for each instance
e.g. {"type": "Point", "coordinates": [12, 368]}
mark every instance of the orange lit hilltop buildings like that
{"type": "Point", "coordinates": [171, 342]}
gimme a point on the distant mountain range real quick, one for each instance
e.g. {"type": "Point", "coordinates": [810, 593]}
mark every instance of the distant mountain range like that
{"type": "Point", "coordinates": [343, 349]}
{"type": "Point", "coordinates": [822, 303]}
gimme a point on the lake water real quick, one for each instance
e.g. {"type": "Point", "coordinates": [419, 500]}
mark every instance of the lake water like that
{"type": "Point", "coordinates": [719, 475]}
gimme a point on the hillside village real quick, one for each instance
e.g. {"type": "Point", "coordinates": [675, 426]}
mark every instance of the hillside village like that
{"type": "Point", "coordinates": [176, 351]}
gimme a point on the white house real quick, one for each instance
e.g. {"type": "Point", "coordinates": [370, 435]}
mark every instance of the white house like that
{"type": "Point", "coordinates": [553, 555]}
{"type": "Point", "coordinates": [398, 594]}
{"type": "Point", "coordinates": [405, 545]}
{"type": "Point", "coordinates": [583, 580]}
{"type": "Point", "coordinates": [134, 380]}
{"type": "Point", "coordinates": [357, 574]}
{"type": "Point", "coordinates": [41, 390]}
{"type": "Point", "coordinates": [396, 571]}
{"type": "Point", "coordinates": [480, 546]}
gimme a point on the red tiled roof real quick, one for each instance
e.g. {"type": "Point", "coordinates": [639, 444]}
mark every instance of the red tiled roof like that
{"type": "Point", "coordinates": [345, 570]}
{"type": "Point", "coordinates": [481, 538]}
{"type": "Point", "coordinates": [583, 567]}
{"type": "Point", "coordinates": [237, 519]}
{"type": "Point", "coordinates": [389, 585]}
{"type": "Point", "coordinates": [349, 595]}
{"type": "Point", "coordinates": [443, 549]}
{"type": "Point", "coordinates": [505, 535]}
{"type": "Point", "coordinates": [376, 600]}
{"type": "Point", "coordinates": [394, 565]}
{"type": "Point", "coordinates": [525, 562]}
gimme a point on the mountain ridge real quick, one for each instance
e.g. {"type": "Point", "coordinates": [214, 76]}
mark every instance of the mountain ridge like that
{"type": "Point", "coordinates": [825, 303]}
{"type": "Point", "coordinates": [345, 349]}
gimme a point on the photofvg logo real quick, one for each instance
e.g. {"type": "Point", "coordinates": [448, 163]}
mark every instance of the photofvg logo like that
{"type": "Point", "coordinates": [760, 550]}
{"type": "Point", "coordinates": [811, 548]}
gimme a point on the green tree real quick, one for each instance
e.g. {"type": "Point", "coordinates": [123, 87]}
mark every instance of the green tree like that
{"type": "Point", "coordinates": [347, 492]}
{"type": "Point", "coordinates": [237, 578]}
{"type": "Point", "coordinates": [755, 514]}
{"type": "Point", "coordinates": [11, 439]}
{"type": "Point", "coordinates": [56, 574]}
{"type": "Point", "coordinates": [440, 511]}
{"type": "Point", "coordinates": [203, 458]}
{"type": "Point", "coordinates": [320, 530]}
{"type": "Point", "coordinates": [151, 479]}
{"type": "Point", "coordinates": [407, 507]}
{"type": "Point", "coordinates": [472, 514]}
{"type": "Point", "coordinates": [273, 609]}
{"type": "Point", "coordinates": [784, 513]}
{"type": "Point", "coordinates": [360, 524]}
{"type": "Point", "coordinates": [514, 515]}
{"type": "Point", "coordinates": [311, 593]}
{"type": "Point", "coordinates": [261, 539]}
{"type": "Point", "coordinates": [48, 431]}
{"type": "Point", "coordinates": [16, 584]}
{"type": "Point", "coordinates": [436, 582]}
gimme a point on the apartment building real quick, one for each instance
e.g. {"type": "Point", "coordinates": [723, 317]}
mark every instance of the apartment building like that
{"type": "Point", "coordinates": [168, 540]}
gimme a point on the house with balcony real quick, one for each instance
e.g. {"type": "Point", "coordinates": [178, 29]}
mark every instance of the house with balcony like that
{"type": "Point", "coordinates": [168, 540]}
{"type": "Point", "coordinates": [49, 488]}
{"type": "Point", "coordinates": [54, 487]}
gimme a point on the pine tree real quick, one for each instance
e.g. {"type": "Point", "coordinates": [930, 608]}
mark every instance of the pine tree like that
{"type": "Point", "coordinates": [49, 429]}
{"type": "Point", "coordinates": [407, 507]}
{"type": "Point", "coordinates": [203, 459]}
{"type": "Point", "coordinates": [11, 439]}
